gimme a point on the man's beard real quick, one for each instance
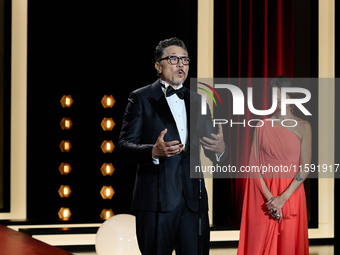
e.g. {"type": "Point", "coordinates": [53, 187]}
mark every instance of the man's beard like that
{"type": "Point", "coordinates": [179, 82]}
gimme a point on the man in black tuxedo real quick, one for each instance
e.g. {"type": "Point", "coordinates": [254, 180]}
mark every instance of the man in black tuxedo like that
{"type": "Point", "coordinates": [155, 134]}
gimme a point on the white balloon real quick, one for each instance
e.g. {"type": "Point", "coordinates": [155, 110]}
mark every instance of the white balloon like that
{"type": "Point", "coordinates": [117, 236]}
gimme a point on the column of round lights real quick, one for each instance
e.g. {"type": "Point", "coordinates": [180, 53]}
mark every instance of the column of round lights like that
{"type": "Point", "coordinates": [65, 168]}
{"type": "Point", "coordinates": [107, 146]}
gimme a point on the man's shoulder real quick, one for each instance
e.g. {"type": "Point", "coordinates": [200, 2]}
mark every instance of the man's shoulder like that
{"type": "Point", "coordinates": [145, 90]}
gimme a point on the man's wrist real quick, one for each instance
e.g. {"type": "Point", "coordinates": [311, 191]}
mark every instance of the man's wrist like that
{"type": "Point", "coordinates": [155, 160]}
{"type": "Point", "coordinates": [153, 153]}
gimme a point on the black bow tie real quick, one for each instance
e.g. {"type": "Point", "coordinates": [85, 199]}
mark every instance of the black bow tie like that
{"type": "Point", "coordinates": [170, 91]}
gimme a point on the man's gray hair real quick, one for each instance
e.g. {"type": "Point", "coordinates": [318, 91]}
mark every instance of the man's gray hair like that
{"type": "Point", "coordinates": [162, 45]}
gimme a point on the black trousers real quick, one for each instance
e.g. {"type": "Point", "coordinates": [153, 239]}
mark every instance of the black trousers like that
{"type": "Point", "coordinates": [177, 229]}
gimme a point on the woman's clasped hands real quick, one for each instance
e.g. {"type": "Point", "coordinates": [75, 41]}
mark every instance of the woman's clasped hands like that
{"type": "Point", "coordinates": [274, 206]}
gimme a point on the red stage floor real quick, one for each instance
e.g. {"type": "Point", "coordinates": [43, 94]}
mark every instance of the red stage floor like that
{"type": "Point", "coordinates": [17, 243]}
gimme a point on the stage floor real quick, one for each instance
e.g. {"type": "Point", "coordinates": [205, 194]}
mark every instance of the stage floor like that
{"type": "Point", "coordinates": [313, 250]}
{"type": "Point", "coordinates": [17, 243]}
{"type": "Point", "coordinates": [14, 242]}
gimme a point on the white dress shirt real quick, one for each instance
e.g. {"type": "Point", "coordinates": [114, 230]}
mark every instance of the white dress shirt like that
{"type": "Point", "coordinates": [177, 107]}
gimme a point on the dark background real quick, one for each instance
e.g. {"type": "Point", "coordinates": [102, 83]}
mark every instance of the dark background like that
{"type": "Point", "coordinates": [263, 39]}
{"type": "Point", "coordinates": [5, 103]}
{"type": "Point", "coordinates": [89, 50]}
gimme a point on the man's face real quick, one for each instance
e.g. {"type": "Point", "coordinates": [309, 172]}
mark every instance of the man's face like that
{"type": "Point", "coordinates": [176, 74]}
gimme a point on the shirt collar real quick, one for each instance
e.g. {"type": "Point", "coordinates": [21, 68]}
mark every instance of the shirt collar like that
{"type": "Point", "coordinates": [167, 85]}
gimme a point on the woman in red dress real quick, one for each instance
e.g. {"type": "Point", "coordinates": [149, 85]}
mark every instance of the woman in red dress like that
{"type": "Point", "coordinates": [274, 215]}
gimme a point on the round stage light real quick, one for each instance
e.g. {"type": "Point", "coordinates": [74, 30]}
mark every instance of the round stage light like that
{"type": "Point", "coordinates": [65, 168]}
{"type": "Point", "coordinates": [107, 146]}
{"type": "Point", "coordinates": [108, 101]}
{"type": "Point", "coordinates": [66, 123]}
{"type": "Point", "coordinates": [65, 146]}
{"type": "Point", "coordinates": [64, 213]}
{"type": "Point", "coordinates": [66, 101]}
{"type": "Point", "coordinates": [107, 192]}
{"type": "Point", "coordinates": [64, 191]}
{"type": "Point", "coordinates": [106, 214]}
{"type": "Point", "coordinates": [117, 236]}
{"type": "Point", "coordinates": [107, 124]}
{"type": "Point", "coordinates": [107, 169]}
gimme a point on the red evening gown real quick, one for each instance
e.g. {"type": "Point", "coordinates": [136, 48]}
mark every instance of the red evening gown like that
{"type": "Point", "coordinates": [260, 234]}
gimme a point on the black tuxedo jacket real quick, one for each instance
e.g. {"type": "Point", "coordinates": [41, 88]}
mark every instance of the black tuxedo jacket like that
{"type": "Point", "coordinates": [146, 115]}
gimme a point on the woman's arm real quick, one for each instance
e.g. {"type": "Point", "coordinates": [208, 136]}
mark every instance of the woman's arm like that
{"type": "Point", "coordinates": [305, 160]}
{"type": "Point", "coordinates": [266, 192]}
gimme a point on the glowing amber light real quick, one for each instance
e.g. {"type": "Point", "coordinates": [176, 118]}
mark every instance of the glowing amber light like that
{"type": "Point", "coordinates": [64, 191]}
{"type": "Point", "coordinates": [66, 101]}
{"type": "Point", "coordinates": [107, 192]}
{"type": "Point", "coordinates": [108, 101]}
{"type": "Point", "coordinates": [64, 213]}
{"type": "Point", "coordinates": [66, 123]}
{"type": "Point", "coordinates": [108, 124]}
{"type": "Point", "coordinates": [65, 168]}
{"type": "Point", "coordinates": [106, 214]}
{"type": "Point", "coordinates": [65, 146]}
{"type": "Point", "coordinates": [107, 146]}
{"type": "Point", "coordinates": [107, 169]}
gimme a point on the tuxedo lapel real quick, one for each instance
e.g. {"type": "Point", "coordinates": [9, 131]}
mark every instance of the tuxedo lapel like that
{"type": "Point", "coordinates": [161, 107]}
{"type": "Point", "coordinates": [187, 109]}
{"type": "Point", "coordinates": [192, 109]}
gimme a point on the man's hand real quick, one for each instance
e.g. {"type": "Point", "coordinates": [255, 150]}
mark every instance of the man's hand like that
{"type": "Point", "coordinates": [166, 149]}
{"type": "Point", "coordinates": [217, 144]}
